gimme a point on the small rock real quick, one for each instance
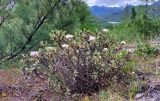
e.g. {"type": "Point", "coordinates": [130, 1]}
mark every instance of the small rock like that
{"type": "Point", "coordinates": [157, 99]}
{"type": "Point", "coordinates": [138, 96]}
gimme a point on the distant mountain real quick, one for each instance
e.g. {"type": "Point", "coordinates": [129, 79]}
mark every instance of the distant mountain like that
{"type": "Point", "coordinates": [107, 13]}
{"type": "Point", "coordinates": [116, 14]}
{"type": "Point", "coordinates": [101, 10]}
{"type": "Point", "coordinates": [156, 4]}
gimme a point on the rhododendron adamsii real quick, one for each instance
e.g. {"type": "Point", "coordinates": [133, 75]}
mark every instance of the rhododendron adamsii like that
{"type": "Point", "coordinates": [49, 48]}
{"type": "Point", "coordinates": [130, 50]}
{"type": "Point", "coordinates": [104, 30]}
{"type": "Point", "coordinates": [34, 54]}
{"type": "Point", "coordinates": [65, 46]}
{"type": "Point", "coordinates": [91, 38]}
{"type": "Point", "coordinates": [123, 42]}
{"type": "Point", "coordinates": [69, 36]}
{"type": "Point", "coordinates": [105, 49]}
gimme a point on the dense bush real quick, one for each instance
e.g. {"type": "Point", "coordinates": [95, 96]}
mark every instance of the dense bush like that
{"type": "Point", "coordinates": [146, 50]}
{"type": "Point", "coordinates": [147, 26]}
{"type": "Point", "coordinates": [79, 64]}
{"type": "Point", "coordinates": [140, 28]}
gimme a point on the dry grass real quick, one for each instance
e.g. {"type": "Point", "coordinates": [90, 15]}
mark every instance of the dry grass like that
{"type": "Point", "coordinates": [11, 77]}
{"type": "Point", "coordinates": [15, 87]}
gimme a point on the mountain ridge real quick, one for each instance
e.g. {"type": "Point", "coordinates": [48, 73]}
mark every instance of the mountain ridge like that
{"type": "Point", "coordinates": [115, 14]}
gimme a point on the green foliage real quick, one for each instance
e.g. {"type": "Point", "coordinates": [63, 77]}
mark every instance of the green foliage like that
{"type": "Point", "coordinates": [137, 28]}
{"type": "Point", "coordinates": [134, 89]}
{"type": "Point", "coordinates": [10, 64]}
{"type": "Point", "coordinates": [148, 27]}
{"type": "Point", "coordinates": [70, 15]}
{"type": "Point", "coordinates": [128, 68]}
{"type": "Point", "coordinates": [144, 24]}
{"type": "Point", "coordinates": [104, 95]}
{"type": "Point", "coordinates": [134, 14]}
{"type": "Point", "coordinates": [124, 32]}
{"type": "Point", "coordinates": [146, 50]}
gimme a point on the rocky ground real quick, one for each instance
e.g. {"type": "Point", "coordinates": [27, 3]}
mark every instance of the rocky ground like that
{"type": "Point", "coordinates": [15, 87]}
{"type": "Point", "coordinates": [151, 87]}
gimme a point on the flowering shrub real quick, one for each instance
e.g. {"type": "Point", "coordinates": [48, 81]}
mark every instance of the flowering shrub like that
{"type": "Point", "coordinates": [105, 30]}
{"type": "Point", "coordinates": [79, 64]}
{"type": "Point", "coordinates": [34, 54]}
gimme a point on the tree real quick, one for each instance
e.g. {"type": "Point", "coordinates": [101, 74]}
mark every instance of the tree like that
{"type": "Point", "coordinates": [32, 20]}
{"type": "Point", "coordinates": [145, 17]}
{"type": "Point", "coordinates": [126, 12]}
{"type": "Point", "coordinates": [133, 14]}
{"type": "Point", "coordinates": [146, 5]}
{"type": "Point", "coordinates": [6, 7]}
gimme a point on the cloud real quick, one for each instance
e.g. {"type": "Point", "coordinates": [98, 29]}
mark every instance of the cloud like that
{"type": "Point", "coordinates": [113, 3]}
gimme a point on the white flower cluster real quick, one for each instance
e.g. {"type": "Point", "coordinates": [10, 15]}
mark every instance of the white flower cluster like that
{"type": "Point", "coordinates": [123, 42]}
{"type": "Point", "coordinates": [49, 49]}
{"type": "Point", "coordinates": [105, 30]}
{"type": "Point", "coordinates": [69, 36]}
{"type": "Point", "coordinates": [105, 49]}
{"type": "Point", "coordinates": [130, 50]}
{"type": "Point", "coordinates": [65, 46]}
{"type": "Point", "coordinates": [91, 38]}
{"type": "Point", "coordinates": [34, 54]}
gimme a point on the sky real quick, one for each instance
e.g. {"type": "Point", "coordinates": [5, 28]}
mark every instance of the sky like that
{"type": "Point", "coordinates": [113, 3]}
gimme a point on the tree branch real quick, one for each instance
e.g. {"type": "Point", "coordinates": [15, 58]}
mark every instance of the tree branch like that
{"type": "Point", "coordinates": [38, 24]}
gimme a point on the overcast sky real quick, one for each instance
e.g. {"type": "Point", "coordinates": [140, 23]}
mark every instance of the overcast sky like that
{"type": "Point", "coordinates": [113, 3]}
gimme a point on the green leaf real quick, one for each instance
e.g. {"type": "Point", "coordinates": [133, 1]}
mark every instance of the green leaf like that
{"type": "Point", "coordinates": [104, 95]}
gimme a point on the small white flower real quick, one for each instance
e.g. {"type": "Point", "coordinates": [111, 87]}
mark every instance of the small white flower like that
{"type": "Point", "coordinates": [123, 42]}
{"type": "Point", "coordinates": [39, 67]}
{"type": "Point", "coordinates": [156, 43]}
{"type": "Point", "coordinates": [65, 46]}
{"type": "Point", "coordinates": [105, 49]}
{"type": "Point", "coordinates": [26, 69]}
{"type": "Point", "coordinates": [69, 36]}
{"type": "Point", "coordinates": [120, 53]}
{"type": "Point", "coordinates": [130, 50]}
{"type": "Point", "coordinates": [34, 54]}
{"type": "Point", "coordinates": [91, 38]}
{"type": "Point", "coordinates": [49, 48]}
{"type": "Point", "coordinates": [23, 55]}
{"type": "Point", "coordinates": [104, 30]}
{"type": "Point", "coordinates": [81, 46]}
